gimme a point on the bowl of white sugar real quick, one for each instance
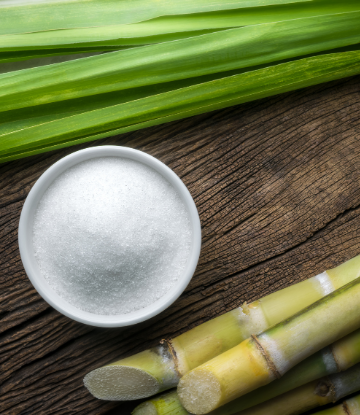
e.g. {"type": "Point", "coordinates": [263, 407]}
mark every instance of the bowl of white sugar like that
{"type": "Point", "coordinates": [109, 236]}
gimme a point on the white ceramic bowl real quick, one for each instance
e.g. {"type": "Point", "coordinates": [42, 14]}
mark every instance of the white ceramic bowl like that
{"type": "Point", "coordinates": [27, 251]}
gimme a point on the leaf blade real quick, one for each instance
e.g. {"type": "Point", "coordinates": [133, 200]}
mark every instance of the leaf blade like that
{"type": "Point", "coordinates": [170, 27]}
{"type": "Point", "coordinates": [83, 13]}
{"type": "Point", "coordinates": [182, 103]}
{"type": "Point", "coordinates": [216, 52]}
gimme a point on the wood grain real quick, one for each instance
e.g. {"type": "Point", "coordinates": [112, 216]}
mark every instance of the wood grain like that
{"type": "Point", "coordinates": [277, 185]}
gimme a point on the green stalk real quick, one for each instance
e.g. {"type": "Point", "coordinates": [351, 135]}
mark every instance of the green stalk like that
{"type": "Point", "coordinates": [167, 404]}
{"type": "Point", "coordinates": [197, 56]}
{"type": "Point", "coordinates": [312, 395]}
{"type": "Point", "coordinates": [348, 407]}
{"type": "Point", "coordinates": [340, 356]}
{"type": "Point", "coordinates": [261, 359]}
{"type": "Point", "coordinates": [208, 340]}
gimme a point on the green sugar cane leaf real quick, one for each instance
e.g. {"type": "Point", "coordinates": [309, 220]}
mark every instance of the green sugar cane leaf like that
{"type": "Point", "coordinates": [26, 55]}
{"type": "Point", "coordinates": [34, 16]}
{"type": "Point", "coordinates": [42, 60]}
{"type": "Point", "coordinates": [181, 103]}
{"type": "Point", "coordinates": [98, 37]}
{"type": "Point", "coordinates": [216, 52]}
{"type": "Point", "coordinates": [28, 117]}
{"type": "Point", "coordinates": [171, 27]}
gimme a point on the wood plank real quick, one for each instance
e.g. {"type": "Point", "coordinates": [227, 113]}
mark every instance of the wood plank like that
{"type": "Point", "coordinates": [276, 183]}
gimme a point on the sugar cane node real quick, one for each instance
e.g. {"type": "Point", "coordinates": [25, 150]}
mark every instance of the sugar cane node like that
{"type": "Point", "coordinates": [335, 357]}
{"type": "Point", "coordinates": [340, 356]}
{"type": "Point", "coordinates": [237, 371]}
{"type": "Point", "coordinates": [347, 409]}
{"type": "Point", "coordinates": [173, 354]}
{"type": "Point", "coordinates": [244, 368]}
{"type": "Point", "coordinates": [206, 341]}
{"type": "Point", "coordinates": [267, 357]}
{"type": "Point", "coordinates": [326, 389]}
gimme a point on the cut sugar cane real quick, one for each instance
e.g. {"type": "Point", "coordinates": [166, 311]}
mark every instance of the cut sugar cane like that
{"type": "Point", "coordinates": [135, 377]}
{"type": "Point", "coordinates": [311, 395]}
{"type": "Point", "coordinates": [340, 356]}
{"type": "Point", "coordinates": [348, 407]}
{"type": "Point", "coordinates": [261, 359]}
{"type": "Point", "coordinates": [159, 369]}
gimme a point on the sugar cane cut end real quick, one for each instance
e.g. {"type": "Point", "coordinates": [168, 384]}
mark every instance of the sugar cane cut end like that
{"type": "Point", "coordinates": [120, 383]}
{"type": "Point", "coordinates": [199, 391]}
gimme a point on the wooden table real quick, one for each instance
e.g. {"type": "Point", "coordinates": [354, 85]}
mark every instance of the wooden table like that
{"type": "Point", "coordinates": [277, 186]}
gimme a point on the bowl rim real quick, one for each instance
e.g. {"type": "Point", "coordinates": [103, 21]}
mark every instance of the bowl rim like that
{"type": "Point", "coordinates": [29, 261]}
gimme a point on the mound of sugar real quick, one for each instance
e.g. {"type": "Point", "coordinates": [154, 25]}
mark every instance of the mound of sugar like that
{"type": "Point", "coordinates": [111, 235]}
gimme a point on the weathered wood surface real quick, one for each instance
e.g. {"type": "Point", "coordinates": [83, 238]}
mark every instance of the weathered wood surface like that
{"type": "Point", "coordinates": [277, 185]}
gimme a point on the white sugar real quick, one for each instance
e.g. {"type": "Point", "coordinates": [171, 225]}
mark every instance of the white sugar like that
{"type": "Point", "coordinates": [111, 235]}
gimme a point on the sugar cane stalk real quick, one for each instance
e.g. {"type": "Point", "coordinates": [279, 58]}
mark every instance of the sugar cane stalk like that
{"type": "Point", "coordinates": [261, 359]}
{"type": "Point", "coordinates": [348, 407]}
{"type": "Point", "coordinates": [318, 393]}
{"type": "Point", "coordinates": [160, 368]}
{"type": "Point", "coordinates": [341, 355]}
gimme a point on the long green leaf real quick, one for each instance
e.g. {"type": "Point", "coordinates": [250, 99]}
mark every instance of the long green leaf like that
{"type": "Point", "coordinates": [19, 56]}
{"type": "Point", "coordinates": [171, 27]}
{"type": "Point", "coordinates": [90, 38]}
{"type": "Point", "coordinates": [42, 60]}
{"type": "Point", "coordinates": [20, 16]}
{"type": "Point", "coordinates": [28, 117]}
{"type": "Point", "coordinates": [179, 104]}
{"type": "Point", "coordinates": [170, 61]}
{"type": "Point", "coordinates": [23, 118]}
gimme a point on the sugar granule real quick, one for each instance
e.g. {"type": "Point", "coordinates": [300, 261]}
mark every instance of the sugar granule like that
{"type": "Point", "coordinates": [111, 235]}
